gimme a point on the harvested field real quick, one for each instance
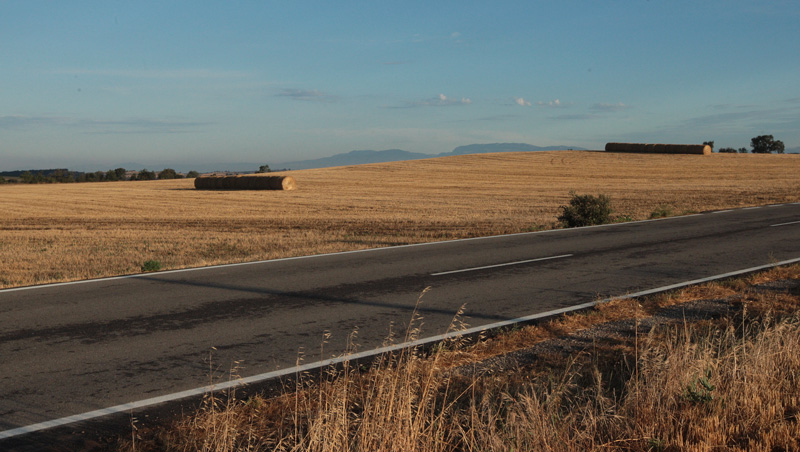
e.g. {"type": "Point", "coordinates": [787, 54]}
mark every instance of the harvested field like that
{"type": "Point", "coordinates": [61, 232]}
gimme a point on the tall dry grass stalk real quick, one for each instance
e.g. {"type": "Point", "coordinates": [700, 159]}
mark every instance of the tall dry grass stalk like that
{"type": "Point", "coordinates": [689, 389]}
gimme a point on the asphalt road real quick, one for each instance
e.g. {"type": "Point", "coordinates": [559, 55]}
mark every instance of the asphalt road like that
{"type": "Point", "coordinates": [73, 348]}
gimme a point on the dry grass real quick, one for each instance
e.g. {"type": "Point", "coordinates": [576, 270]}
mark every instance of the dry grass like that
{"type": "Point", "coordinates": [62, 232]}
{"type": "Point", "coordinates": [731, 385]}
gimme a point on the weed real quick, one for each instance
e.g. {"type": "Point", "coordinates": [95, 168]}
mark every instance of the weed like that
{"type": "Point", "coordinates": [656, 445]}
{"type": "Point", "coordinates": [701, 394]}
{"type": "Point", "coordinates": [661, 212]}
{"type": "Point", "coordinates": [585, 210]}
{"type": "Point", "coordinates": [151, 266]}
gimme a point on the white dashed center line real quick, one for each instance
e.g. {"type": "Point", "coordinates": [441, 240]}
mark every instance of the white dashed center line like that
{"type": "Point", "coordinates": [784, 224]}
{"type": "Point", "coordinates": [501, 265]}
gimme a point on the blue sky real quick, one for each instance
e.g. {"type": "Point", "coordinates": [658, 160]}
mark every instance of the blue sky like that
{"type": "Point", "coordinates": [91, 85]}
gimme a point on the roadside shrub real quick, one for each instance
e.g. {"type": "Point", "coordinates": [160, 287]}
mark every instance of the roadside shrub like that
{"type": "Point", "coordinates": [661, 212]}
{"type": "Point", "coordinates": [151, 266]}
{"type": "Point", "coordinates": [586, 210]}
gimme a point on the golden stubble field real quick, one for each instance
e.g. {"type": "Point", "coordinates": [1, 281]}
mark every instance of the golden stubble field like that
{"type": "Point", "coordinates": [63, 232]}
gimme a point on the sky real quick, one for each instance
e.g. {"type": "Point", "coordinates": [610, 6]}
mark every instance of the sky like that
{"type": "Point", "coordinates": [91, 85]}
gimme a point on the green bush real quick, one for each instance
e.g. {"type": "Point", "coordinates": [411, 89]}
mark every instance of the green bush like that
{"type": "Point", "coordinates": [586, 210]}
{"type": "Point", "coordinates": [151, 266]}
{"type": "Point", "coordinates": [661, 212]}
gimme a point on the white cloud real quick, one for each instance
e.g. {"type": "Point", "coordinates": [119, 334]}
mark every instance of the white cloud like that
{"type": "Point", "coordinates": [439, 101]}
{"type": "Point", "coordinates": [553, 103]}
{"type": "Point", "coordinates": [104, 126]}
{"type": "Point", "coordinates": [156, 73]}
{"type": "Point", "coordinates": [307, 95]}
{"type": "Point", "coordinates": [522, 102]}
{"type": "Point", "coordinates": [20, 121]}
{"type": "Point", "coordinates": [609, 108]}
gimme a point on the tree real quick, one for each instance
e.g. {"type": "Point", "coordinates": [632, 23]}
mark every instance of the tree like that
{"type": "Point", "coordinates": [586, 210]}
{"type": "Point", "coordinates": [710, 143]}
{"type": "Point", "coordinates": [192, 174]}
{"type": "Point", "coordinates": [263, 169]}
{"type": "Point", "coordinates": [765, 144]}
{"type": "Point", "coordinates": [27, 178]}
{"type": "Point", "coordinates": [727, 151]}
{"type": "Point", "coordinates": [111, 175]}
{"type": "Point", "coordinates": [168, 173]}
{"type": "Point", "coordinates": [742, 150]}
{"type": "Point", "coordinates": [62, 175]}
{"type": "Point", "coordinates": [120, 172]}
{"type": "Point", "coordinates": [145, 175]}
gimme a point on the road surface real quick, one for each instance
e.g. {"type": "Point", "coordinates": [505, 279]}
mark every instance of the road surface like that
{"type": "Point", "coordinates": [73, 348]}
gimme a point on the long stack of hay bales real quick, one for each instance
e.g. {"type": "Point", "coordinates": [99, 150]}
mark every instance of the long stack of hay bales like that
{"type": "Point", "coordinates": [248, 182]}
{"type": "Point", "coordinates": [700, 149]}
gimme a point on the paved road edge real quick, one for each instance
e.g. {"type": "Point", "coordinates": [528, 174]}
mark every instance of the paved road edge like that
{"type": "Point", "coordinates": [128, 407]}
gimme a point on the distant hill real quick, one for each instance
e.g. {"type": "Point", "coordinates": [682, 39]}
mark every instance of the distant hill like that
{"type": "Point", "coordinates": [354, 158]}
{"type": "Point", "coordinates": [395, 155]}
{"type": "Point", "coordinates": [44, 172]}
{"type": "Point", "coordinates": [504, 147]}
{"type": "Point", "coordinates": [345, 159]}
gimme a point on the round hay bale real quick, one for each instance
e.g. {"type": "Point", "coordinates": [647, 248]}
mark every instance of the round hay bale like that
{"type": "Point", "coordinates": [250, 183]}
{"type": "Point", "coordinates": [275, 183]}
{"type": "Point", "coordinates": [245, 182]}
{"type": "Point", "coordinates": [230, 182]}
{"type": "Point", "coordinates": [659, 148]}
{"type": "Point", "coordinates": [619, 147]}
{"type": "Point", "coordinates": [201, 183]}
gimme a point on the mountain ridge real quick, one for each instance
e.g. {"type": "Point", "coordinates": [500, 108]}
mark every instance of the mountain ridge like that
{"type": "Point", "coordinates": [356, 157]}
{"type": "Point", "coordinates": [359, 157]}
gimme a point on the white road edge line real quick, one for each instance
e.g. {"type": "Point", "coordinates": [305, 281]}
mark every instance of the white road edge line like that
{"type": "Point", "coordinates": [501, 265]}
{"type": "Point", "coordinates": [784, 224]}
{"type": "Point", "coordinates": [722, 211]}
{"type": "Point", "coordinates": [127, 407]}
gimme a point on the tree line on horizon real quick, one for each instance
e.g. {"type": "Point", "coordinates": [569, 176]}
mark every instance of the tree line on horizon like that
{"type": "Point", "coordinates": [63, 175]}
{"type": "Point", "coordinates": [762, 144]}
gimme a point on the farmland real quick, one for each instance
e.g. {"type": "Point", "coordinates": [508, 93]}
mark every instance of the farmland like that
{"type": "Point", "coordinates": [62, 232]}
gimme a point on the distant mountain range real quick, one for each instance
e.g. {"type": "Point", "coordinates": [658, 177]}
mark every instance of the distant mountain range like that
{"type": "Point", "coordinates": [395, 155]}
{"type": "Point", "coordinates": [346, 159]}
